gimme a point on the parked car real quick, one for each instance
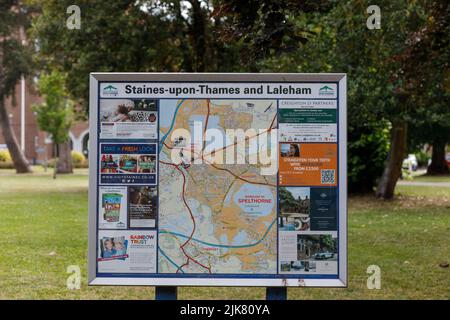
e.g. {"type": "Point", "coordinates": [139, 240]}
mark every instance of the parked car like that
{"type": "Point", "coordinates": [324, 255]}
{"type": "Point", "coordinates": [410, 160]}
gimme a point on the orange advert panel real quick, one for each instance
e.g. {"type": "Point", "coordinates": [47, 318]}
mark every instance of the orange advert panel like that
{"type": "Point", "coordinates": [309, 164]}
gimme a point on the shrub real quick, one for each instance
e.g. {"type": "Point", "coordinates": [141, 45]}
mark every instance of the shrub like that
{"type": "Point", "coordinates": [78, 158]}
{"type": "Point", "coordinates": [6, 165]}
{"type": "Point", "coordinates": [50, 163]}
{"type": "Point", "coordinates": [5, 156]}
{"type": "Point", "coordinates": [368, 146]}
{"type": "Point", "coordinates": [78, 161]}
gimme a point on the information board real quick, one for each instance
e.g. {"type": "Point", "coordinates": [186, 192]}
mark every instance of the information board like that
{"type": "Point", "coordinates": [218, 179]}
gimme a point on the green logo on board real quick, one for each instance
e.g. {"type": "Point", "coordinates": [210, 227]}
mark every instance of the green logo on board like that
{"type": "Point", "coordinates": [326, 91]}
{"type": "Point", "coordinates": [110, 90]}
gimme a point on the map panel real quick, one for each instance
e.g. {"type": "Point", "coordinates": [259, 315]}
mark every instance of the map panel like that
{"type": "Point", "coordinates": [215, 216]}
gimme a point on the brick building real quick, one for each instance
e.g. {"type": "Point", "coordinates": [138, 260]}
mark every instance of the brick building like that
{"type": "Point", "coordinates": [34, 142]}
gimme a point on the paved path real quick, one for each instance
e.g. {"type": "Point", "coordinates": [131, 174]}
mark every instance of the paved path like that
{"type": "Point", "coordinates": [424, 184]}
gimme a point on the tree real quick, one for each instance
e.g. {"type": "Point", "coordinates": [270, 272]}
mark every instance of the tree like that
{"type": "Point", "coordinates": [421, 91]}
{"type": "Point", "coordinates": [386, 90]}
{"type": "Point", "coordinates": [130, 36]}
{"type": "Point", "coordinates": [384, 94]}
{"type": "Point", "coordinates": [437, 134]}
{"type": "Point", "coordinates": [155, 36]}
{"type": "Point", "coordinates": [376, 75]}
{"type": "Point", "coordinates": [327, 242]}
{"type": "Point", "coordinates": [55, 116]}
{"type": "Point", "coordinates": [430, 45]}
{"type": "Point", "coordinates": [265, 29]}
{"type": "Point", "coordinates": [368, 131]}
{"type": "Point", "coordinates": [15, 62]}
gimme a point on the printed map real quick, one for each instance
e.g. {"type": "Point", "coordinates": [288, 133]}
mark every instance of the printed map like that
{"type": "Point", "coordinates": [215, 217]}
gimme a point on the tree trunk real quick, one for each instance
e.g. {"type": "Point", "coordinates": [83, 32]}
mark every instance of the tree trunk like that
{"type": "Point", "coordinates": [20, 162]}
{"type": "Point", "coordinates": [181, 30]}
{"type": "Point", "coordinates": [55, 166]}
{"type": "Point", "coordinates": [438, 163]}
{"type": "Point", "coordinates": [198, 35]}
{"type": "Point", "coordinates": [393, 168]}
{"type": "Point", "coordinates": [64, 158]}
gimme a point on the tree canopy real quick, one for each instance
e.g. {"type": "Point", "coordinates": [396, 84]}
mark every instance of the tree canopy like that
{"type": "Point", "coordinates": [397, 75]}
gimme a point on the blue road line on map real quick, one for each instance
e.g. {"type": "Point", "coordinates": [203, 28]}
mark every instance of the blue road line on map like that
{"type": "Point", "coordinates": [170, 260]}
{"type": "Point", "coordinates": [172, 124]}
{"type": "Point", "coordinates": [222, 245]}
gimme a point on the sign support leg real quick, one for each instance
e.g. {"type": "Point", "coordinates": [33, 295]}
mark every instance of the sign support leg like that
{"type": "Point", "coordinates": [276, 293]}
{"type": "Point", "coordinates": [166, 293]}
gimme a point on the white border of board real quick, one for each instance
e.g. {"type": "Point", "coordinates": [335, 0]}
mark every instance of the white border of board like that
{"type": "Point", "coordinates": [95, 78]}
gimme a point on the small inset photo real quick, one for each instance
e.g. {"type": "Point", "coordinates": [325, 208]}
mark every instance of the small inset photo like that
{"type": "Point", "coordinates": [127, 163]}
{"type": "Point", "coordinates": [128, 119]}
{"type": "Point", "coordinates": [316, 247]}
{"type": "Point", "coordinates": [294, 207]}
{"type": "Point", "coordinates": [288, 150]}
{"type": "Point", "coordinates": [143, 206]}
{"type": "Point", "coordinates": [113, 248]}
{"type": "Point", "coordinates": [109, 164]}
{"type": "Point", "coordinates": [146, 164]}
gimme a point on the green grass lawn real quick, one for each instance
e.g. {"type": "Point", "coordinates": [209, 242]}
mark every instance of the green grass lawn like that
{"type": "Point", "coordinates": [44, 230]}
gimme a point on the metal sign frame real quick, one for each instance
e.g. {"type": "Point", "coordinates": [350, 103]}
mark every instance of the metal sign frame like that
{"type": "Point", "coordinates": [340, 280]}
